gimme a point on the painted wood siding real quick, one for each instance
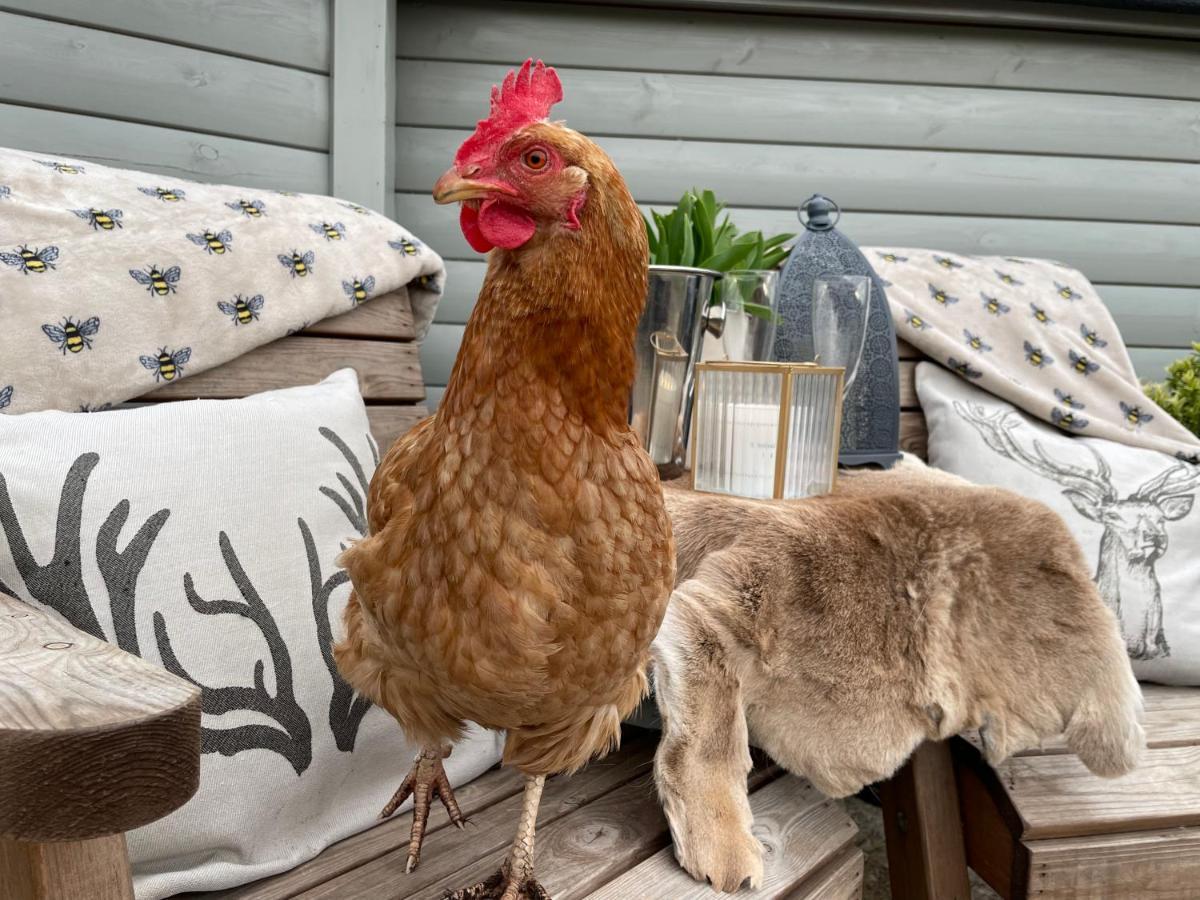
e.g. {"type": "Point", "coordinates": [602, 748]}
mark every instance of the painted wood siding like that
{"type": "Point", "coordinates": [1022, 140]}
{"type": "Point", "coordinates": [200, 89]}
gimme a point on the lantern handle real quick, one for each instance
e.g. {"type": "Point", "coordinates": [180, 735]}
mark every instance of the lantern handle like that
{"type": "Point", "coordinates": [818, 207]}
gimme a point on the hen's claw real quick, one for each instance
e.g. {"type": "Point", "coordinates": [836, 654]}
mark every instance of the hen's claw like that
{"type": "Point", "coordinates": [501, 886]}
{"type": "Point", "coordinates": [426, 780]}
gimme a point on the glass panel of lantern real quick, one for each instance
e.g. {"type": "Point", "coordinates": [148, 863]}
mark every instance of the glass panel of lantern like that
{"type": "Point", "coordinates": [766, 430]}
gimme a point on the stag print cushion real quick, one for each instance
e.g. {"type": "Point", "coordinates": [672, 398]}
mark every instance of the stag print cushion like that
{"type": "Point", "coordinates": [1133, 510]}
{"type": "Point", "coordinates": [113, 282]}
{"type": "Point", "coordinates": [1032, 331]}
{"type": "Point", "coordinates": [203, 536]}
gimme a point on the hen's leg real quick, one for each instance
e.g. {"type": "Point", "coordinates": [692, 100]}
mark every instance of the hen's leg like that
{"type": "Point", "coordinates": [426, 780]}
{"type": "Point", "coordinates": [515, 879]}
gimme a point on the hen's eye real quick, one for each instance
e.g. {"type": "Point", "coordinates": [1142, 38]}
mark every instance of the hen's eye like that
{"type": "Point", "coordinates": [536, 158]}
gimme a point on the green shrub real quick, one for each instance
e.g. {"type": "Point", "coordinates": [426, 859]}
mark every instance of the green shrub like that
{"type": "Point", "coordinates": [690, 235]}
{"type": "Point", "coordinates": [1180, 393]}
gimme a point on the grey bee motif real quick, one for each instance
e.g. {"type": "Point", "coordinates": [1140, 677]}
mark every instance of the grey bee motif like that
{"type": "Point", "coordinates": [976, 343]}
{"type": "Point", "coordinates": [1082, 364]}
{"type": "Point", "coordinates": [73, 336]}
{"type": "Point", "coordinates": [100, 219]}
{"type": "Point", "coordinates": [407, 246]}
{"type": "Point", "coordinates": [242, 311]}
{"type": "Point", "coordinates": [1067, 292]}
{"type": "Point", "coordinates": [891, 257]}
{"type": "Point", "coordinates": [1006, 278]}
{"type": "Point", "coordinates": [166, 195]}
{"type": "Point", "coordinates": [251, 209]}
{"type": "Point", "coordinates": [430, 283]}
{"type": "Point", "coordinates": [5, 192]}
{"type": "Point", "coordinates": [36, 261]}
{"type": "Point", "coordinates": [156, 280]}
{"type": "Point", "coordinates": [941, 296]}
{"type": "Point", "coordinates": [214, 243]}
{"type": "Point", "coordinates": [60, 167]}
{"type": "Point", "coordinates": [1036, 357]}
{"type": "Point", "coordinates": [6, 395]}
{"type": "Point", "coordinates": [1040, 314]}
{"type": "Point", "coordinates": [1067, 400]}
{"type": "Point", "coordinates": [993, 305]}
{"type": "Point", "coordinates": [964, 368]}
{"type": "Point", "coordinates": [299, 265]}
{"type": "Point", "coordinates": [1090, 336]}
{"type": "Point", "coordinates": [911, 318]}
{"type": "Point", "coordinates": [1067, 421]}
{"type": "Point", "coordinates": [946, 262]}
{"type": "Point", "coordinates": [1134, 416]}
{"type": "Point", "coordinates": [359, 290]}
{"type": "Point", "coordinates": [330, 231]}
{"type": "Point", "coordinates": [166, 365]}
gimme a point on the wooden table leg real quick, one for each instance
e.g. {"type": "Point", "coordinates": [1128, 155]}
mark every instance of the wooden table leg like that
{"type": "Point", "coordinates": [97, 869]}
{"type": "Point", "coordinates": [926, 856]}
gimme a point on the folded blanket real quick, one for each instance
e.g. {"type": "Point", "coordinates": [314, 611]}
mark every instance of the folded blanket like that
{"type": "Point", "coordinates": [1033, 332]}
{"type": "Point", "coordinates": [114, 281]}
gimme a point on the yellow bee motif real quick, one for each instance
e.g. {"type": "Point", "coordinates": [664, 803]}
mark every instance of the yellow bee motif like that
{"type": "Point", "coordinates": [361, 210]}
{"type": "Point", "coordinates": [941, 296]}
{"type": "Point", "coordinates": [242, 312]}
{"type": "Point", "coordinates": [156, 280]}
{"type": "Point", "coordinates": [1067, 421]}
{"type": "Point", "coordinates": [61, 168]}
{"type": "Point", "coordinates": [1040, 314]}
{"type": "Point", "coordinates": [298, 265]}
{"type": "Point", "coordinates": [100, 219]}
{"type": "Point", "coordinates": [359, 291]}
{"type": "Point", "coordinates": [1037, 358]}
{"type": "Point", "coordinates": [430, 283]}
{"type": "Point", "coordinates": [975, 342]}
{"type": "Point", "coordinates": [1082, 364]}
{"type": "Point", "coordinates": [406, 246]}
{"type": "Point", "coordinates": [166, 365]}
{"type": "Point", "coordinates": [1134, 415]}
{"type": "Point", "coordinates": [213, 242]}
{"type": "Point", "coordinates": [72, 336]}
{"type": "Point", "coordinates": [1092, 339]}
{"type": "Point", "coordinates": [946, 262]}
{"type": "Point", "coordinates": [331, 232]}
{"type": "Point", "coordinates": [36, 261]}
{"type": "Point", "coordinates": [891, 257]}
{"type": "Point", "coordinates": [1067, 400]}
{"type": "Point", "coordinates": [993, 305]}
{"type": "Point", "coordinates": [1067, 292]}
{"type": "Point", "coordinates": [916, 321]}
{"type": "Point", "coordinates": [1006, 278]}
{"type": "Point", "coordinates": [964, 369]}
{"type": "Point", "coordinates": [251, 208]}
{"type": "Point", "coordinates": [166, 195]}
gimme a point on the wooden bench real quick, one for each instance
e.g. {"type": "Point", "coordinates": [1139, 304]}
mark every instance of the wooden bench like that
{"type": "Point", "coordinates": [1041, 825]}
{"type": "Point", "coordinates": [601, 833]}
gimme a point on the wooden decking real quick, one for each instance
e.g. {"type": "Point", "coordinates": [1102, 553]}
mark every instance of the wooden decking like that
{"type": "Point", "coordinates": [601, 835]}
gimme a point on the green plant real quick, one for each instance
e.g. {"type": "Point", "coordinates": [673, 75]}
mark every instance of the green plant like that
{"type": "Point", "coordinates": [1179, 395]}
{"type": "Point", "coordinates": [690, 235]}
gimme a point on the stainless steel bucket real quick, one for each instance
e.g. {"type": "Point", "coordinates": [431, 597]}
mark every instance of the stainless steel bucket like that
{"type": "Point", "coordinates": [669, 337]}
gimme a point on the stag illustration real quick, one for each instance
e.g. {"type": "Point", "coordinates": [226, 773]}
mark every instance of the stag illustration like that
{"type": "Point", "coordinates": [1135, 526]}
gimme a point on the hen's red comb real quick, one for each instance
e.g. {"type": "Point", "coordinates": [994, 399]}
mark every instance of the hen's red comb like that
{"type": "Point", "coordinates": [525, 97]}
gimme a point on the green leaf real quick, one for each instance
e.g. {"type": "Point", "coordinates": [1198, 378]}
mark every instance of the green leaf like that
{"type": "Point", "coordinates": [762, 312]}
{"type": "Point", "coordinates": [650, 238]}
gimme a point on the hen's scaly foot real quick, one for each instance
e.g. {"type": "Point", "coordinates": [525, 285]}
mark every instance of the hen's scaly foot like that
{"type": "Point", "coordinates": [502, 886]}
{"type": "Point", "coordinates": [426, 780]}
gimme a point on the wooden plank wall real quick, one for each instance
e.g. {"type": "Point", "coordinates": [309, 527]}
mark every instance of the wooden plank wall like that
{"type": "Point", "coordinates": [1074, 138]}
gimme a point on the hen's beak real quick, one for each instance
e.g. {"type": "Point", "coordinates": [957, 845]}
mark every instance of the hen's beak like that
{"type": "Point", "coordinates": [452, 187]}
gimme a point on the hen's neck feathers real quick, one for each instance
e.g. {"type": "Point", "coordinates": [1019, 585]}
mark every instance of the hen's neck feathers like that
{"type": "Point", "coordinates": [564, 309]}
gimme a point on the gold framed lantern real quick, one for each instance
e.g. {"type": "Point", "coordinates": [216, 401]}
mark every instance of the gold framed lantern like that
{"type": "Point", "coordinates": [765, 429]}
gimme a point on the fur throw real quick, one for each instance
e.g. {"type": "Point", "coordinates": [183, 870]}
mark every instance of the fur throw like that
{"type": "Point", "coordinates": [840, 632]}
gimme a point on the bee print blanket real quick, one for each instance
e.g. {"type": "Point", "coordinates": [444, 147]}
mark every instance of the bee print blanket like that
{"type": "Point", "coordinates": [1031, 331]}
{"type": "Point", "coordinates": [113, 282]}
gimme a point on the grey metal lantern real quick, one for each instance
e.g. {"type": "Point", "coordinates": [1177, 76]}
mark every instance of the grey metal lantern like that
{"type": "Point", "coordinates": [871, 407]}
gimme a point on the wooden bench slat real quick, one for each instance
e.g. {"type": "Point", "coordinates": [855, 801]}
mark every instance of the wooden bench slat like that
{"type": "Point", "coordinates": [799, 828]}
{"type": "Point", "coordinates": [388, 316]}
{"type": "Point", "coordinates": [843, 880]}
{"type": "Point", "coordinates": [345, 856]}
{"type": "Point", "coordinates": [390, 421]}
{"type": "Point", "coordinates": [449, 853]}
{"type": "Point", "coordinates": [387, 371]}
{"type": "Point", "coordinates": [1056, 796]}
{"type": "Point", "coordinates": [93, 740]}
{"type": "Point", "coordinates": [1148, 865]}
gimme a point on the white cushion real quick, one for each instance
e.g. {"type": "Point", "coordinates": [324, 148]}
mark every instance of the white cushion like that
{"type": "Point", "coordinates": [194, 495]}
{"type": "Point", "coordinates": [1132, 509]}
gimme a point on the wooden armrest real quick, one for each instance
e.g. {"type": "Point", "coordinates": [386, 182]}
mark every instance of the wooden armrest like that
{"type": "Point", "coordinates": [93, 740]}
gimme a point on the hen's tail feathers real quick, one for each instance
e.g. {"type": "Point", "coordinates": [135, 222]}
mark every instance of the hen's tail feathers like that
{"type": "Point", "coordinates": [1105, 729]}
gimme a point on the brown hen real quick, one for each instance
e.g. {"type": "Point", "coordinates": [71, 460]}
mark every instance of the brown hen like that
{"type": "Point", "coordinates": [520, 557]}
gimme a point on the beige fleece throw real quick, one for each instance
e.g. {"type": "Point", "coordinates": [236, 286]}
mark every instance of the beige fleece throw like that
{"type": "Point", "coordinates": [1031, 331]}
{"type": "Point", "coordinates": [113, 282]}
